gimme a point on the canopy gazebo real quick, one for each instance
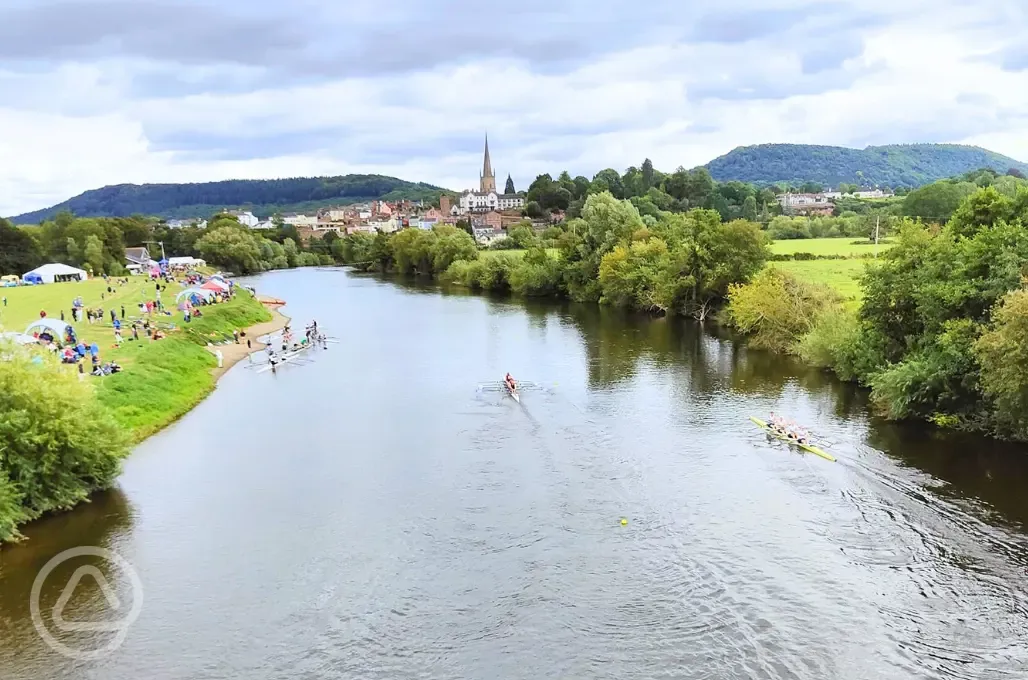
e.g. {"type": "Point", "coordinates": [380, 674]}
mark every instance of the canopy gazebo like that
{"type": "Point", "coordinates": [61, 331]}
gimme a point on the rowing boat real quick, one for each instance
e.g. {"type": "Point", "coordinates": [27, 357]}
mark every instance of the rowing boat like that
{"type": "Point", "coordinates": [513, 393]}
{"type": "Point", "coordinates": [284, 358]}
{"type": "Point", "coordinates": [806, 447]}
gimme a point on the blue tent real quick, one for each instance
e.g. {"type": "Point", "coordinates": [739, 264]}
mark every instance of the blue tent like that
{"type": "Point", "coordinates": [32, 278]}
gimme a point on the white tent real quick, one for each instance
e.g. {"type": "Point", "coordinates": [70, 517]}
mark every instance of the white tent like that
{"type": "Point", "coordinates": [205, 294]}
{"type": "Point", "coordinates": [50, 273]}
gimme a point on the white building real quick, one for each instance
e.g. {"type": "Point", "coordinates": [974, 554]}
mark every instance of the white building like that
{"type": "Point", "coordinates": [486, 198]}
{"type": "Point", "coordinates": [189, 222]}
{"type": "Point", "coordinates": [788, 200]}
{"type": "Point", "coordinates": [300, 220]}
{"type": "Point", "coordinates": [863, 193]}
{"type": "Point", "coordinates": [336, 214]}
{"type": "Point", "coordinates": [245, 217]}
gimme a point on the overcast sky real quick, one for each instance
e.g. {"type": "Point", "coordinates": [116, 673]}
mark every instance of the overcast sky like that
{"type": "Point", "coordinates": [96, 92]}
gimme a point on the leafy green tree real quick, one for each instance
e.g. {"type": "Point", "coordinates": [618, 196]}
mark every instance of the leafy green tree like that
{"type": "Point", "coordinates": [94, 253]}
{"type": "Point", "coordinates": [776, 309]}
{"type": "Point", "coordinates": [451, 244]}
{"type": "Point", "coordinates": [1002, 352]}
{"type": "Point", "coordinates": [649, 176]}
{"type": "Point", "coordinates": [231, 247]}
{"type": "Point", "coordinates": [608, 180]}
{"type": "Point", "coordinates": [19, 252]}
{"type": "Point", "coordinates": [73, 251]}
{"type": "Point", "coordinates": [533, 209]}
{"type": "Point", "coordinates": [749, 208]}
{"type": "Point", "coordinates": [982, 209]}
{"type": "Point", "coordinates": [57, 444]}
{"type": "Point", "coordinates": [936, 201]}
{"type": "Point", "coordinates": [522, 236]}
{"type": "Point", "coordinates": [291, 251]}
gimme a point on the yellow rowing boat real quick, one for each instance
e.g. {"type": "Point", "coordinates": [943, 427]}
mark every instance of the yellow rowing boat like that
{"type": "Point", "coordinates": [806, 447]}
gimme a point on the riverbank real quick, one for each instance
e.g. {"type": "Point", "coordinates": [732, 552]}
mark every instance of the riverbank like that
{"type": "Point", "coordinates": [233, 353]}
{"type": "Point", "coordinates": [171, 376]}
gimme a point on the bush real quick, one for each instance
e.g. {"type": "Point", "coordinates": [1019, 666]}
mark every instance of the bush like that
{"type": "Point", "coordinates": [776, 310]}
{"type": "Point", "coordinates": [537, 274]}
{"type": "Point", "coordinates": [57, 443]}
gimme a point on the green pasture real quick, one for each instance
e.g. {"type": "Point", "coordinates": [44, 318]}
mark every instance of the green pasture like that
{"type": "Point", "coordinates": [841, 247]}
{"type": "Point", "coordinates": [842, 275]}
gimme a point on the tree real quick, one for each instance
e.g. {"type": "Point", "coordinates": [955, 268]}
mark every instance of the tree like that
{"type": "Point", "coordinates": [93, 253]}
{"type": "Point", "coordinates": [938, 200]}
{"type": "Point", "coordinates": [58, 444]}
{"type": "Point", "coordinates": [1014, 172]}
{"type": "Point", "coordinates": [607, 180]}
{"type": "Point", "coordinates": [231, 247]}
{"type": "Point", "coordinates": [749, 209]}
{"type": "Point", "coordinates": [19, 252]}
{"type": "Point", "coordinates": [648, 176]}
{"type": "Point", "coordinates": [1002, 352]}
{"type": "Point", "coordinates": [509, 188]}
{"type": "Point", "coordinates": [533, 209]}
{"type": "Point", "coordinates": [776, 309]}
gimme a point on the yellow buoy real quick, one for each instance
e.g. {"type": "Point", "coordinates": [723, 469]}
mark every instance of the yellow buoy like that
{"type": "Point", "coordinates": [624, 521]}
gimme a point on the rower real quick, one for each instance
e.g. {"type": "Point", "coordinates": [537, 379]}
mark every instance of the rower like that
{"type": "Point", "coordinates": [510, 382]}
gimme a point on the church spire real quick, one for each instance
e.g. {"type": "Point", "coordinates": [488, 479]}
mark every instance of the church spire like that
{"type": "Point", "coordinates": [488, 179]}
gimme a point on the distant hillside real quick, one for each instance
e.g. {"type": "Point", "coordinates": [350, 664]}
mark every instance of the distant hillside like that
{"type": "Point", "coordinates": [909, 165]}
{"type": "Point", "coordinates": [263, 197]}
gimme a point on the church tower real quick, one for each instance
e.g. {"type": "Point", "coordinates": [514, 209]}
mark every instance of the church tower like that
{"type": "Point", "coordinates": [487, 180]}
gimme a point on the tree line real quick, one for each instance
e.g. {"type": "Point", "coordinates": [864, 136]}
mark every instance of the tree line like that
{"type": "Point", "coordinates": [673, 263]}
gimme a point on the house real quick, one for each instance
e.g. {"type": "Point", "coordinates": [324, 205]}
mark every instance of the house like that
{"type": "Point", "coordinates": [336, 214]}
{"type": "Point", "coordinates": [814, 209]}
{"type": "Point", "coordinates": [387, 226]}
{"type": "Point", "coordinates": [486, 235]}
{"type": "Point", "coordinates": [245, 217]}
{"type": "Point", "coordinates": [189, 222]}
{"type": "Point", "coordinates": [300, 220]}
{"type": "Point", "coordinates": [139, 257]}
{"type": "Point", "coordinates": [264, 224]}
{"type": "Point", "coordinates": [790, 200]}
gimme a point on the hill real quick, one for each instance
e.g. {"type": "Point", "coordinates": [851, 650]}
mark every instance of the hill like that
{"type": "Point", "coordinates": [263, 197]}
{"type": "Point", "coordinates": [896, 165]}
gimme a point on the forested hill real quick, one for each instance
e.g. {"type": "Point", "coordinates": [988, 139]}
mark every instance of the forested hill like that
{"type": "Point", "coordinates": [910, 165]}
{"type": "Point", "coordinates": [263, 197]}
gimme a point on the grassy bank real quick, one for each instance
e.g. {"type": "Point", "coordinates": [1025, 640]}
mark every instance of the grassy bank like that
{"type": "Point", "coordinates": [170, 376]}
{"type": "Point", "coordinates": [161, 379]}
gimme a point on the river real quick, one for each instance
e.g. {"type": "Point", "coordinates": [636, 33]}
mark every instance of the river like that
{"type": "Point", "coordinates": [374, 513]}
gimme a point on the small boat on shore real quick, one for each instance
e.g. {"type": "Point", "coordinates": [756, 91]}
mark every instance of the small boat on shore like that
{"type": "Point", "coordinates": [810, 448]}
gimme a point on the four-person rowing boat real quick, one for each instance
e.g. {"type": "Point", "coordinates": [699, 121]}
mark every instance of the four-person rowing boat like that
{"type": "Point", "coordinates": [511, 387]}
{"type": "Point", "coordinates": [792, 439]}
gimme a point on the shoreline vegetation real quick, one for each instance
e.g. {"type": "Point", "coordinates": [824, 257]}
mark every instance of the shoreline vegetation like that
{"type": "Point", "coordinates": [63, 437]}
{"type": "Point", "coordinates": [934, 322]}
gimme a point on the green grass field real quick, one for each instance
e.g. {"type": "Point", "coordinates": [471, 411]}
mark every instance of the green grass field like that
{"type": "Point", "coordinates": [161, 379]}
{"type": "Point", "coordinates": [843, 247]}
{"type": "Point", "coordinates": [516, 254]}
{"type": "Point", "coordinates": [842, 275]}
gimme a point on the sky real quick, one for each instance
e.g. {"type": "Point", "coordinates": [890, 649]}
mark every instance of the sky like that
{"type": "Point", "coordinates": [98, 92]}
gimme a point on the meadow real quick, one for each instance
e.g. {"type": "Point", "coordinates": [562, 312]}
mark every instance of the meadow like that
{"type": "Point", "coordinates": [837, 247]}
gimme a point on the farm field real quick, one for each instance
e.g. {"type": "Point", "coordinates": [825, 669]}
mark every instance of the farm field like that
{"type": "Point", "coordinates": [842, 275]}
{"type": "Point", "coordinates": [842, 247]}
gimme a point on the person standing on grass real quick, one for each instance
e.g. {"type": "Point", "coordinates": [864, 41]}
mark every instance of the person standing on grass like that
{"type": "Point", "coordinates": [5, 301]}
{"type": "Point", "coordinates": [123, 311]}
{"type": "Point", "coordinates": [113, 316]}
{"type": "Point", "coordinates": [235, 334]}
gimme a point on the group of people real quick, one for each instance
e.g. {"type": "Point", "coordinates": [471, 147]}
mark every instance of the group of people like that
{"type": "Point", "coordinates": [788, 428]}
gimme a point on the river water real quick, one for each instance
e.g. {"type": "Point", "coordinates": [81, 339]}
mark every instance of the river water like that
{"type": "Point", "coordinates": [375, 513]}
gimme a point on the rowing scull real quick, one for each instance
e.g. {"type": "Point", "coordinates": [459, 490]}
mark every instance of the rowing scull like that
{"type": "Point", "coordinates": [806, 447]}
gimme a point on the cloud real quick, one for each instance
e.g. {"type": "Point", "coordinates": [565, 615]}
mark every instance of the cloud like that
{"type": "Point", "coordinates": [101, 92]}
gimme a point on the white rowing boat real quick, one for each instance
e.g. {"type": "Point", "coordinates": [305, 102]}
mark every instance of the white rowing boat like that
{"type": "Point", "coordinates": [284, 358]}
{"type": "Point", "coordinates": [513, 393]}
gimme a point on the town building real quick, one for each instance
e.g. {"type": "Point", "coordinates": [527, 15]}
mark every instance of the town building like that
{"type": "Point", "coordinates": [245, 217]}
{"type": "Point", "coordinates": [300, 220]}
{"type": "Point", "coordinates": [189, 222]}
{"type": "Point", "coordinates": [486, 199]}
